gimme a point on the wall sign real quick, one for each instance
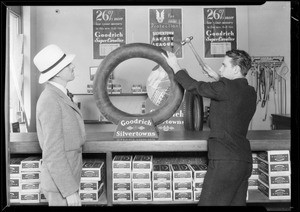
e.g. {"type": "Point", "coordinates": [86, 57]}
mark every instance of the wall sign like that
{"type": "Point", "coordinates": [166, 29]}
{"type": "Point", "coordinates": [108, 31]}
{"type": "Point", "coordinates": [219, 31]}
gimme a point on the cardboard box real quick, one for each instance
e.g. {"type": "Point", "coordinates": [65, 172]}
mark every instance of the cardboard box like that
{"type": "Point", "coordinates": [15, 184]}
{"type": "Point", "coordinates": [141, 185]}
{"type": "Point", "coordinates": [91, 196]}
{"type": "Point", "coordinates": [275, 193]}
{"type": "Point", "coordinates": [122, 196]}
{"type": "Point", "coordinates": [182, 185]}
{"type": "Point", "coordinates": [161, 172]}
{"type": "Point", "coordinates": [122, 162]}
{"type": "Point", "coordinates": [274, 168]}
{"type": "Point", "coordinates": [198, 184]}
{"type": "Point", "coordinates": [162, 185]}
{"type": "Point", "coordinates": [15, 167]}
{"type": "Point", "coordinates": [183, 195]}
{"type": "Point", "coordinates": [89, 185]}
{"type": "Point", "coordinates": [254, 158]}
{"type": "Point", "coordinates": [274, 156]}
{"type": "Point", "coordinates": [159, 195]}
{"type": "Point", "coordinates": [122, 175]}
{"type": "Point", "coordinates": [31, 164]}
{"type": "Point", "coordinates": [122, 185]}
{"type": "Point", "coordinates": [142, 163]}
{"type": "Point", "coordinates": [29, 197]}
{"type": "Point", "coordinates": [252, 184]}
{"type": "Point", "coordinates": [14, 196]}
{"type": "Point", "coordinates": [142, 195]}
{"type": "Point", "coordinates": [92, 170]}
{"type": "Point", "coordinates": [254, 173]}
{"type": "Point", "coordinates": [199, 170]}
{"type": "Point", "coordinates": [275, 181]}
{"type": "Point", "coordinates": [30, 176]}
{"type": "Point", "coordinates": [197, 194]}
{"type": "Point", "coordinates": [30, 186]}
{"type": "Point", "coordinates": [139, 175]}
{"type": "Point", "coordinates": [181, 172]}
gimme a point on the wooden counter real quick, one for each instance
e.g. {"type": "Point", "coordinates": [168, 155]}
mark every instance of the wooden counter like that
{"type": "Point", "coordinates": [185, 141]}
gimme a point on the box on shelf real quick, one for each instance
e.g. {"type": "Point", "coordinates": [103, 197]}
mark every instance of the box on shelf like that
{"type": "Point", "coordinates": [116, 89]}
{"type": "Point", "coordinates": [277, 181]}
{"type": "Point", "coordinates": [121, 175]}
{"type": "Point", "coordinates": [160, 195]}
{"type": "Point", "coordinates": [198, 184]}
{"type": "Point", "coordinates": [14, 196]}
{"type": "Point", "coordinates": [183, 195]}
{"type": "Point", "coordinates": [162, 185]}
{"type": "Point", "coordinates": [274, 156]}
{"type": "Point", "coordinates": [31, 164]}
{"type": "Point", "coordinates": [15, 184]}
{"type": "Point", "coordinates": [89, 185]}
{"type": "Point", "coordinates": [122, 196]}
{"type": "Point", "coordinates": [141, 185]}
{"type": "Point", "coordinates": [141, 175]}
{"type": "Point", "coordinates": [274, 193]}
{"type": "Point", "coordinates": [161, 172]}
{"type": "Point", "coordinates": [15, 167]}
{"type": "Point", "coordinates": [92, 170]}
{"type": "Point", "coordinates": [198, 170]}
{"type": "Point", "coordinates": [142, 162]}
{"type": "Point", "coordinates": [121, 185]}
{"type": "Point", "coordinates": [254, 173]}
{"type": "Point", "coordinates": [30, 186]}
{"type": "Point", "coordinates": [136, 89]}
{"type": "Point", "coordinates": [274, 168]}
{"type": "Point", "coordinates": [253, 183]}
{"type": "Point", "coordinates": [182, 185]}
{"type": "Point", "coordinates": [30, 176]}
{"type": "Point", "coordinates": [254, 158]}
{"type": "Point", "coordinates": [181, 172]}
{"type": "Point", "coordinates": [142, 195]}
{"type": "Point", "coordinates": [122, 162]}
{"type": "Point", "coordinates": [29, 197]}
{"type": "Point", "coordinates": [91, 196]}
{"type": "Point", "coordinates": [197, 194]}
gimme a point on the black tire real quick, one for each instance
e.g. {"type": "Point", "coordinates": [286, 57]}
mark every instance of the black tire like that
{"type": "Point", "coordinates": [193, 117]}
{"type": "Point", "coordinates": [111, 61]}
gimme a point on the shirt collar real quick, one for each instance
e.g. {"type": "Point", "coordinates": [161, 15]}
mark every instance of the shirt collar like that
{"type": "Point", "coordinates": [59, 86]}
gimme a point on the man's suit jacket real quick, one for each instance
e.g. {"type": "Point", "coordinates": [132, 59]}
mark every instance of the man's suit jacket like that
{"type": "Point", "coordinates": [61, 134]}
{"type": "Point", "coordinates": [233, 104]}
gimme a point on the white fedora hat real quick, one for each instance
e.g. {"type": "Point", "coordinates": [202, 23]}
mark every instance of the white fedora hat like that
{"type": "Point", "coordinates": [50, 61]}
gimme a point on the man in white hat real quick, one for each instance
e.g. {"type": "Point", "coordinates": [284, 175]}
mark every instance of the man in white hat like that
{"type": "Point", "coordinates": [60, 129]}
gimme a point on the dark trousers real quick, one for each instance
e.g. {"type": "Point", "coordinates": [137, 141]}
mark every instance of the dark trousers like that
{"type": "Point", "coordinates": [225, 183]}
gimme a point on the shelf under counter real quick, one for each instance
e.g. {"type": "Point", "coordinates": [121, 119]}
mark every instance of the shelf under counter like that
{"type": "Point", "coordinates": [176, 141]}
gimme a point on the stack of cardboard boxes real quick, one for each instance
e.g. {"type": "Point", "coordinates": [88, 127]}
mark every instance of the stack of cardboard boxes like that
{"type": "Point", "coordinates": [274, 171]}
{"type": "Point", "coordinates": [182, 182]}
{"type": "Point", "coordinates": [141, 178]}
{"type": "Point", "coordinates": [162, 182]}
{"type": "Point", "coordinates": [92, 180]}
{"type": "Point", "coordinates": [199, 172]}
{"type": "Point", "coordinates": [25, 179]}
{"type": "Point", "coordinates": [121, 178]}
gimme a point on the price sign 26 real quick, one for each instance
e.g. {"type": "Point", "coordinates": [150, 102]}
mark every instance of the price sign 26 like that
{"type": "Point", "coordinates": [105, 15]}
{"type": "Point", "coordinates": [216, 14]}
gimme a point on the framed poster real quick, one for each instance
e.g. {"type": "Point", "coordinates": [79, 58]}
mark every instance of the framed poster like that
{"type": "Point", "coordinates": [109, 31]}
{"type": "Point", "coordinates": [220, 34]}
{"type": "Point", "coordinates": [166, 29]}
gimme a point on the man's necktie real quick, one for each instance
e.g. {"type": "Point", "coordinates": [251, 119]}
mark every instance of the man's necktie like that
{"type": "Point", "coordinates": [70, 95]}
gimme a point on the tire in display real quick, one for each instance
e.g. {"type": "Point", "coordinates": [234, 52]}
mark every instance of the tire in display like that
{"type": "Point", "coordinates": [112, 60]}
{"type": "Point", "coordinates": [193, 117]}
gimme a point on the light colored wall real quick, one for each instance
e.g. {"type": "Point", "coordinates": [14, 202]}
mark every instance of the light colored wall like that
{"type": "Point", "coordinates": [71, 29]}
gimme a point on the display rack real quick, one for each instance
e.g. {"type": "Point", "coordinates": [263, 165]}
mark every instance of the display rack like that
{"type": "Point", "coordinates": [176, 141]}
